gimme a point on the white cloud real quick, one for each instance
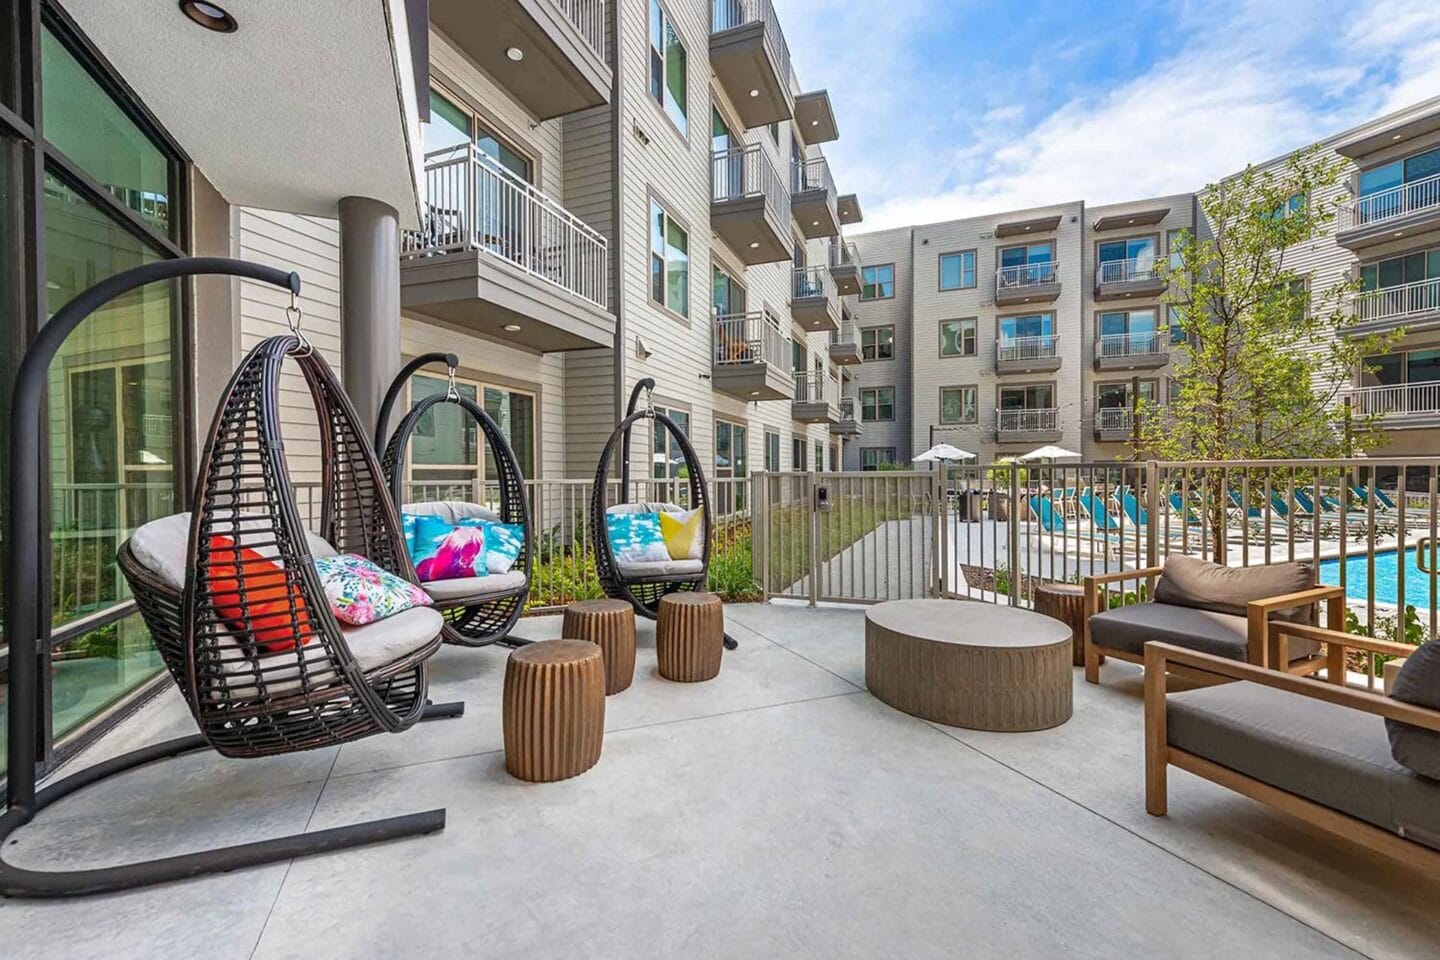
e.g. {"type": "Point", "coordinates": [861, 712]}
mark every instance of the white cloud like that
{"type": "Point", "coordinates": [1238, 86]}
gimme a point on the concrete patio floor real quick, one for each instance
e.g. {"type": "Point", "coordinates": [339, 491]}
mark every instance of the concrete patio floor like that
{"type": "Point", "coordinates": [778, 811]}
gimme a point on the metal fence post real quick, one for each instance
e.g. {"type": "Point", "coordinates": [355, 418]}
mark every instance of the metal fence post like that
{"type": "Point", "coordinates": [814, 539]}
{"type": "Point", "coordinates": [938, 529]}
{"type": "Point", "coordinates": [1012, 545]}
{"type": "Point", "coordinates": [1152, 513]}
{"type": "Point", "coordinates": [759, 511]}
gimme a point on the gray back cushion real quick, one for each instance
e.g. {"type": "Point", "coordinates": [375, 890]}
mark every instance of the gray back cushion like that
{"type": "Point", "coordinates": [1188, 582]}
{"type": "Point", "coordinates": [1418, 682]}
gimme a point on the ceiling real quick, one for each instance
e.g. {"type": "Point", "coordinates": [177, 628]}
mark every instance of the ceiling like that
{"type": "Point", "coordinates": [304, 104]}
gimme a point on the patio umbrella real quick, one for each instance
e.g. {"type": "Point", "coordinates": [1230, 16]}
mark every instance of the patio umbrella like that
{"type": "Point", "coordinates": [1047, 453]}
{"type": "Point", "coordinates": [944, 452]}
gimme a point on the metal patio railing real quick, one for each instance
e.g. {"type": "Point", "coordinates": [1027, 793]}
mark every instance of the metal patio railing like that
{"type": "Point", "coordinates": [1392, 204]}
{"type": "Point", "coordinates": [1026, 275]}
{"type": "Point", "coordinates": [1041, 347]}
{"type": "Point", "coordinates": [1139, 344]}
{"type": "Point", "coordinates": [742, 172]}
{"type": "Point", "coordinates": [1027, 421]}
{"type": "Point", "coordinates": [1398, 302]}
{"type": "Point", "coordinates": [1135, 269]}
{"type": "Point", "coordinates": [473, 203]}
{"type": "Point", "coordinates": [729, 14]}
{"type": "Point", "coordinates": [1408, 398]}
{"type": "Point", "coordinates": [589, 17]}
{"type": "Point", "coordinates": [750, 338]}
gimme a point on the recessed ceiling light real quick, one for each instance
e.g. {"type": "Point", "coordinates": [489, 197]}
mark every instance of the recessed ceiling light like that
{"type": "Point", "coordinates": [814, 223]}
{"type": "Point", "coordinates": [1399, 233]}
{"type": "Point", "coordinates": [814, 123]}
{"type": "Point", "coordinates": [754, 93]}
{"type": "Point", "coordinates": [754, 244]}
{"type": "Point", "coordinates": [1131, 220]}
{"type": "Point", "coordinates": [515, 53]}
{"type": "Point", "coordinates": [754, 393]}
{"type": "Point", "coordinates": [1398, 136]}
{"type": "Point", "coordinates": [512, 328]}
{"type": "Point", "coordinates": [209, 15]}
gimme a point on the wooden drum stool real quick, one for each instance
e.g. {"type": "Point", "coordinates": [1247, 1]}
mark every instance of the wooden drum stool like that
{"type": "Point", "coordinates": [554, 709]}
{"type": "Point", "coordinates": [610, 624]}
{"type": "Point", "coordinates": [690, 636]}
{"type": "Point", "coordinates": [1065, 602]}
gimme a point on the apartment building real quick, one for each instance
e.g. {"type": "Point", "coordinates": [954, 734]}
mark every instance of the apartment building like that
{"type": "Point", "coordinates": [1040, 326]}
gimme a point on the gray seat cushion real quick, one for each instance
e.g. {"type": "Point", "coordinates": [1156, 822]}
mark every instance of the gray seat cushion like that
{"type": "Point", "coordinates": [474, 588]}
{"type": "Point", "coordinates": [1128, 629]}
{"type": "Point", "coordinates": [1418, 682]}
{"type": "Point", "coordinates": [1191, 582]}
{"type": "Point", "coordinates": [1332, 755]}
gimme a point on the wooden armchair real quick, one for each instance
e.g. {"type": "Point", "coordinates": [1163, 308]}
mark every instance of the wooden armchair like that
{"type": "Point", "coordinates": [1313, 749]}
{"type": "Point", "coordinates": [1124, 632]}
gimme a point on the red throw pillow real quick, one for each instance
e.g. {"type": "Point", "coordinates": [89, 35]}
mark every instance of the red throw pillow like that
{"type": "Point", "coordinates": [268, 597]}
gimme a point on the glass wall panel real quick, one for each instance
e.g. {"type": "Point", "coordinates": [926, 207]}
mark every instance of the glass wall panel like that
{"type": "Point", "coordinates": [97, 136]}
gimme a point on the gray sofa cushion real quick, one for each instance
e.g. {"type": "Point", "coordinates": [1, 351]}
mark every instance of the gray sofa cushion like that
{"type": "Point", "coordinates": [1418, 682]}
{"type": "Point", "coordinates": [1190, 582]}
{"type": "Point", "coordinates": [1332, 755]}
{"type": "Point", "coordinates": [1207, 631]}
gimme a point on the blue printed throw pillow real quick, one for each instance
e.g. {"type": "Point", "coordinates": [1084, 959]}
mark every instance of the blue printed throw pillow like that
{"type": "Point", "coordinates": [447, 552]}
{"type": "Point", "coordinates": [636, 537]}
{"type": "Point", "coordinates": [503, 543]}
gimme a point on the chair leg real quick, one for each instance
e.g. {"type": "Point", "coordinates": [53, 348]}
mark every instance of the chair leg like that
{"type": "Point", "coordinates": [443, 711]}
{"type": "Point", "coordinates": [1092, 662]}
{"type": "Point", "coordinates": [730, 642]}
{"type": "Point", "coordinates": [1156, 736]}
{"type": "Point", "coordinates": [48, 884]}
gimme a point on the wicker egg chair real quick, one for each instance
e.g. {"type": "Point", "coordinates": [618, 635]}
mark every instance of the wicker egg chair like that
{"type": "Point", "coordinates": [489, 615]}
{"type": "Point", "coordinates": [248, 698]}
{"type": "Point", "coordinates": [640, 590]}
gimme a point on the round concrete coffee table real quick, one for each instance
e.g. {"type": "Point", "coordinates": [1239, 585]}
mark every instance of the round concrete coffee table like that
{"type": "Point", "coordinates": [969, 664]}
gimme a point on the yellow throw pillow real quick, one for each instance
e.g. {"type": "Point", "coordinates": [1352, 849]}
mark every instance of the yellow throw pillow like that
{"type": "Point", "coordinates": [683, 533]}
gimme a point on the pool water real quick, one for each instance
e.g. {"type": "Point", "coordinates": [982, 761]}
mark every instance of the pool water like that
{"type": "Point", "coordinates": [1387, 578]}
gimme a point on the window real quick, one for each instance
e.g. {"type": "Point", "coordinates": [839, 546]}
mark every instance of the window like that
{"type": "Point", "coordinates": [957, 337]}
{"type": "Point", "coordinates": [957, 270]}
{"type": "Point", "coordinates": [1133, 249]}
{"type": "Point", "coordinates": [732, 462]}
{"type": "Point", "coordinates": [1030, 263]}
{"type": "Point", "coordinates": [819, 454]}
{"type": "Point", "coordinates": [1177, 329]}
{"type": "Point", "coordinates": [727, 294]}
{"type": "Point", "coordinates": [797, 354]}
{"type": "Point", "coordinates": [667, 460]}
{"type": "Point", "coordinates": [445, 450]}
{"type": "Point", "coordinates": [772, 451]}
{"type": "Point", "coordinates": [669, 261]}
{"type": "Point", "coordinates": [797, 453]}
{"type": "Point", "coordinates": [877, 343]}
{"type": "Point", "coordinates": [1035, 397]}
{"type": "Point", "coordinates": [1039, 325]}
{"type": "Point", "coordinates": [873, 458]}
{"type": "Point", "coordinates": [1126, 333]}
{"type": "Point", "coordinates": [958, 405]}
{"type": "Point", "coordinates": [775, 132]}
{"type": "Point", "coordinates": [878, 283]}
{"type": "Point", "coordinates": [1397, 271]}
{"type": "Point", "coordinates": [1390, 175]}
{"type": "Point", "coordinates": [1406, 368]}
{"type": "Point", "coordinates": [877, 403]}
{"type": "Point", "coordinates": [668, 67]}
{"type": "Point", "coordinates": [1114, 405]}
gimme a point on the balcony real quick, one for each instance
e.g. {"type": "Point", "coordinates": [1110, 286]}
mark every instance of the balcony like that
{"type": "Point", "coordinates": [1410, 406]}
{"type": "Point", "coordinates": [845, 267]}
{"type": "Point", "coordinates": [1029, 425]}
{"type": "Point", "coordinates": [751, 358]}
{"type": "Point", "coordinates": [812, 199]}
{"type": "Point", "coordinates": [849, 206]}
{"type": "Point", "coordinates": [817, 399]}
{"type": "Point", "coordinates": [1141, 350]}
{"type": "Point", "coordinates": [1117, 424]}
{"type": "Point", "coordinates": [1403, 211]}
{"type": "Point", "coordinates": [813, 303]}
{"type": "Point", "coordinates": [815, 118]}
{"type": "Point", "coordinates": [1039, 354]}
{"type": "Point", "coordinates": [848, 425]}
{"type": "Point", "coordinates": [751, 60]}
{"type": "Point", "coordinates": [563, 66]}
{"type": "Point", "coordinates": [1027, 283]}
{"type": "Point", "coordinates": [1414, 306]}
{"type": "Point", "coordinates": [1136, 277]}
{"type": "Point", "coordinates": [845, 342]}
{"type": "Point", "coordinates": [496, 256]}
{"type": "Point", "coordinates": [749, 209]}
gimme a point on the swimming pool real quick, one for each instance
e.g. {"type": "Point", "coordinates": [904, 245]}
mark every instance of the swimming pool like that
{"type": "Point", "coordinates": [1387, 578]}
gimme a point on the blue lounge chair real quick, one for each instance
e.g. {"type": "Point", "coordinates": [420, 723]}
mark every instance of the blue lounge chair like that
{"type": "Point", "coordinates": [1043, 510]}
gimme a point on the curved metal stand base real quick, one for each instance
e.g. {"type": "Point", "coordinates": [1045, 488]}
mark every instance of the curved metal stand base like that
{"type": "Point", "coordinates": [20, 882]}
{"type": "Point", "coordinates": [730, 642]}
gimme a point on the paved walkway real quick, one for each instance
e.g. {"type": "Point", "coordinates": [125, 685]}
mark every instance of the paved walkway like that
{"type": "Point", "coordinates": [778, 811]}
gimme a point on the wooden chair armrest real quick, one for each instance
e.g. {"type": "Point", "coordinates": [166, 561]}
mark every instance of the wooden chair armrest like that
{"type": "Point", "coordinates": [1340, 638]}
{"type": "Point", "coordinates": [1297, 599]}
{"type": "Point", "coordinates": [1095, 585]}
{"type": "Point", "coordinates": [1159, 655]}
{"type": "Point", "coordinates": [1266, 644]}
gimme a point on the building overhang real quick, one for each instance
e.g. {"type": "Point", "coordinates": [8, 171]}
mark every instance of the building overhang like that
{"type": "Point", "coordinates": [1389, 136]}
{"type": "Point", "coordinates": [1138, 218]}
{"type": "Point", "coordinates": [302, 105]}
{"type": "Point", "coordinates": [849, 206]}
{"type": "Point", "coordinates": [815, 118]}
{"type": "Point", "coordinates": [1019, 228]}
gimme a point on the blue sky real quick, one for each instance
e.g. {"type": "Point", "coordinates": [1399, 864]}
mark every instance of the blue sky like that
{"type": "Point", "coordinates": [951, 108]}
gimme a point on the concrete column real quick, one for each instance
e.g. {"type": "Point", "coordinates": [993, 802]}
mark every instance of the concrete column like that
{"type": "Point", "coordinates": [369, 302]}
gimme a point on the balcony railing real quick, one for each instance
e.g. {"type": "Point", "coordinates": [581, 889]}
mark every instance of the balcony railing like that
{"type": "Point", "coordinates": [746, 172]}
{"type": "Point", "coordinates": [473, 203]}
{"type": "Point", "coordinates": [1040, 347]}
{"type": "Point", "coordinates": [847, 333]}
{"type": "Point", "coordinates": [1134, 270]}
{"type": "Point", "coordinates": [812, 388]}
{"type": "Point", "coordinates": [812, 282]}
{"type": "Point", "coordinates": [1026, 275]}
{"type": "Point", "coordinates": [847, 408]}
{"type": "Point", "coordinates": [750, 338]}
{"type": "Point", "coordinates": [812, 174]}
{"type": "Point", "coordinates": [1027, 421]}
{"type": "Point", "coordinates": [729, 14]}
{"type": "Point", "coordinates": [1138, 344]}
{"type": "Point", "coordinates": [843, 254]}
{"type": "Point", "coordinates": [1391, 204]}
{"type": "Point", "coordinates": [589, 18]}
{"type": "Point", "coordinates": [1399, 302]}
{"type": "Point", "coordinates": [1402, 399]}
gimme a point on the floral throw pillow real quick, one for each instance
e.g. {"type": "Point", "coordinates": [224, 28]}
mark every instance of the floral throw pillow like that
{"type": "Point", "coordinates": [636, 537]}
{"type": "Point", "coordinates": [360, 592]}
{"type": "Point", "coordinates": [447, 552]}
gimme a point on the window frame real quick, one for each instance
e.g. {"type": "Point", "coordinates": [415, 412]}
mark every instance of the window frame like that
{"type": "Point", "coordinates": [960, 338]}
{"type": "Point", "coordinates": [876, 404]}
{"type": "Point", "coordinates": [657, 6]}
{"type": "Point", "coordinates": [974, 270]}
{"type": "Point", "coordinates": [882, 456]}
{"type": "Point", "coordinates": [863, 284]}
{"type": "Point", "coordinates": [772, 465]}
{"type": "Point", "coordinates": [876, 330]}
{"type": "Point", "coordinates": [974, 389]}
{"type": "Point", "coordinates": [670, 218]}
{"type": "Point", "coordinates": [480, 382]}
